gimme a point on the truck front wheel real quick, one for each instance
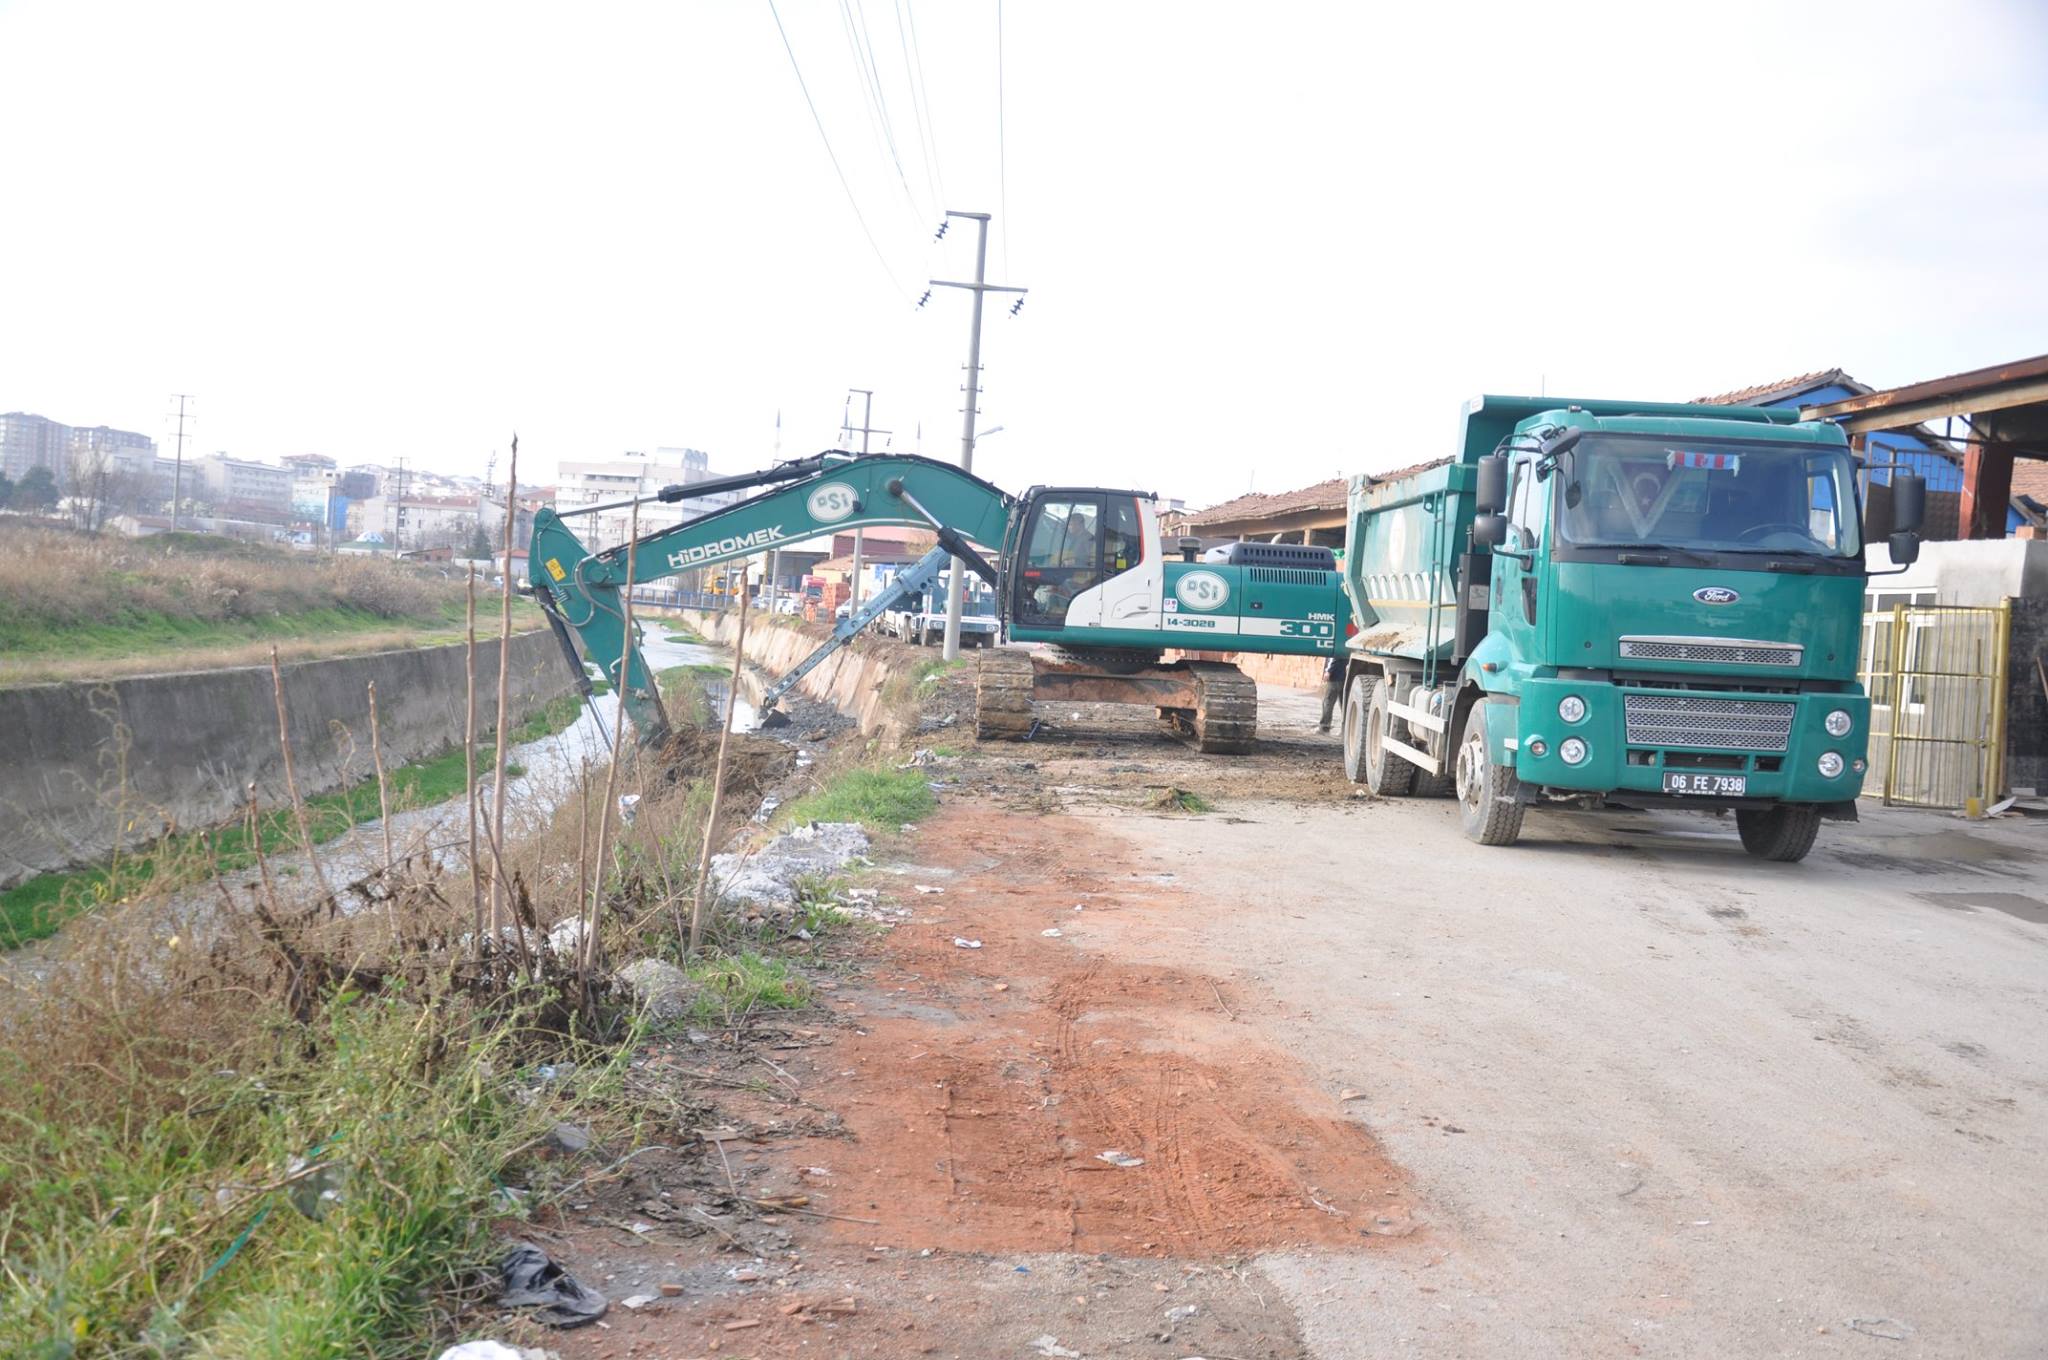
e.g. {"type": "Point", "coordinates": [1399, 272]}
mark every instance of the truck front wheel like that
{"type": "Point", "coordinates": [1489, 795]}
{"type": "Point", "coordinates": [1783, 834]}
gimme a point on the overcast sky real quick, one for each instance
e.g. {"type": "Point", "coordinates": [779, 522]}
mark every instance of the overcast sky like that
{"type": "Point", "coordinates": [1265, 244]}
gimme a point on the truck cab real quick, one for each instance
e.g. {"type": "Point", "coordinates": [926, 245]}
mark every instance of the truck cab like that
{"type": "Point", "coordinates": [1621, 604]}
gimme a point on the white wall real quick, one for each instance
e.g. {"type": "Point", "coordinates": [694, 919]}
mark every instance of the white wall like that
{"type": "Point", "coordinates": [1968, 572]}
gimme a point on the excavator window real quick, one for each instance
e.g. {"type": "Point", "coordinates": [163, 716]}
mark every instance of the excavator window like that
{"type": "Point", "coordinates": [1062, 557]}
{"type": "Point", "coordinates": [1126, 542]}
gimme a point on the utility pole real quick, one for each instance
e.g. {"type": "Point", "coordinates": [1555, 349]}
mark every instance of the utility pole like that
{"type": "Point", "coordinates": [867, 427]}
{"type": "Point", "coordinates": [775, 554]}
{"type": "Point", "coordinates": [398, 512]}
{"type": "Point", "coordinates": [978, 287]}
{"type": "Point", "coordinates": [178, 467]}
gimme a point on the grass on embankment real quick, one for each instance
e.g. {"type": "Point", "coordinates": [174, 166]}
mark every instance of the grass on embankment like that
{"type": "Point", "coordinates": [99, 606]}
{"type": "Point", "coordinates": [732, 985]}
{"type": "Point", "coordinates": [879, 799]}
{"type": "Point", "coordinates": [175, 1115]}
{"type": "Point", "coordinates": [39, 907]}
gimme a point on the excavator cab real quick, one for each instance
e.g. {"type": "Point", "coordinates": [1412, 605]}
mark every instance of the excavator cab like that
{"type": "Point", "coordinates": [1070, 550]}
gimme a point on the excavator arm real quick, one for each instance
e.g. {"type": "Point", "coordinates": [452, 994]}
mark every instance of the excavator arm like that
{"type": "Point", "coordinates": [583, 592]}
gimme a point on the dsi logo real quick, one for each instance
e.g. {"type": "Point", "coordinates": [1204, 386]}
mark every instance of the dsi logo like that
{"type": "Point", "coordinates": [832, 502]}
{"type": "Point", "coordinates": [1202, 590]}
{"type": "Point", "coordinates": [1715, 595]}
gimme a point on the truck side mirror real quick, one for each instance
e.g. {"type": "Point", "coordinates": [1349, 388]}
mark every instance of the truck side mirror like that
{"type": "Point", "coordinates": [1489, 530]}
{"type": "Point", "coordinates": [1909, 503]}
{"type": "Point", "coordinates": [1905, 547]}
{"type": "Point", "coordinates": [1490, 496]}
{"type": "Point", "coordinates": [1190, 549]}
{"type": "Point", "coordinates": [1560, 444]}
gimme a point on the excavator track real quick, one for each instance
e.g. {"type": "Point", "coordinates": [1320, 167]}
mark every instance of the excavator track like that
{"type": "Point", "coordinates": [1226, 716]}
{"type": "Point", "coordinates": [1002, 695]}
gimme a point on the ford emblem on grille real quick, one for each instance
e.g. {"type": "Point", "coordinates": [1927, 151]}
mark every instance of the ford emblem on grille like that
{"type": "Point", "coordinates": [1715, 595]}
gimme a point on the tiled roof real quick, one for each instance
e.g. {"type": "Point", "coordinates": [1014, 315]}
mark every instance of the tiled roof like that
{"type": "Point", "coordinates": [1328, 495]}
{"type": "Point", "coordinates": [2030, 479]}
{"type": "Point", "coordinates": [1784, 387]}
{"type": "Point", "coordinates": [1408, 471]}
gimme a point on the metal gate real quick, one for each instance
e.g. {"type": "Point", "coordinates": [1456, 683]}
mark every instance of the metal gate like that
{"type": "Point", "coordinates": [1936, 676]}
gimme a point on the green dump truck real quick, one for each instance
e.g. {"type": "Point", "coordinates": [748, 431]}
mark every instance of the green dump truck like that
{"type": "Point", "coordinates": [1624, 604]}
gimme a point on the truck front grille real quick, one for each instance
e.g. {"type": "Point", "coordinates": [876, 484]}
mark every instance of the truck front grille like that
{"type": "Point", "coordinates": [1726, 724]}
{"type": "Point", "coordinates": [1732, 651]}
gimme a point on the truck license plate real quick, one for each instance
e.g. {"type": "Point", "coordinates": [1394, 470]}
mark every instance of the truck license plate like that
{"type": "Point", "coordinates": [1722, 785]}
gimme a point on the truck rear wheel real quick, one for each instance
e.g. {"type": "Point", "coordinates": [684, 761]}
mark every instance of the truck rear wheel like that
{"type": "Point", "coordinates": [1783, 834]}
{"type": "Point", "coordinates": [1489, 795]}
{"type": "Point", "coordinates": [1366, 757]}
{"type": "Point", "coordinates": [1357, 698]}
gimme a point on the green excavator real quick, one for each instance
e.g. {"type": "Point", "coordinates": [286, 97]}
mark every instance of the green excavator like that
{"type": "Point", "coordinates": [1082, 570]}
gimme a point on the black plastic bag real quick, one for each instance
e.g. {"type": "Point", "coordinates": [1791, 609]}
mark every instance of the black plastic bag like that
{"type": "Point", "coordinates": [532, 1280]}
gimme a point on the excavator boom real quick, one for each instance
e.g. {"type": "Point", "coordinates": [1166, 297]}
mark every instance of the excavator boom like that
{"type": "Point", "coordinates": [583, 592]}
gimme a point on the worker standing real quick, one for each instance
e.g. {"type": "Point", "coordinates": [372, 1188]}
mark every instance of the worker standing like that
{"type": "Point", "coordinates": [1333, 689]}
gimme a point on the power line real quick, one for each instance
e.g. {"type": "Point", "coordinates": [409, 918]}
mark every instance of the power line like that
{"type": "Point", "coordinates": [851, 202]}
{"type": "Point", "coordinates": [917, 110]}
{"type": "Point", "coordinates": [917, 56]}
{"type": "Point", "coordinates": [877, 116]}
{"type": "Point", "coordinates": [874, 71]}
{"type": "Point", "coordinates": [1002, 141]}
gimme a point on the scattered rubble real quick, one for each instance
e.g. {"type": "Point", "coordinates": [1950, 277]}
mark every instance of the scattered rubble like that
{"type": "Point", "coordinates": [494, 1350]}
{"type": "Point", "coordinates": [661, 990]}
{"type": "Point", "coordinates": [769, 876]}
{"type": "Point", "coordinates": [569, 1138]}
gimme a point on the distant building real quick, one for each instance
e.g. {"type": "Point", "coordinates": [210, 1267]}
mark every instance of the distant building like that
{"type": "Point", "coordinates": [32, 441]}
{"type": "Point", "coordinates": [358, 484]}
{"type": "Point", "coordinates": [636, 474]}
{"type": "Point", "coordinates": [413, 523]}
{"type": "Point", "coordinates": [29, 441]}
{"type": "Point", "coordinates": [244, 485]}
{"type": "Point", "coordinates": [104, 439]}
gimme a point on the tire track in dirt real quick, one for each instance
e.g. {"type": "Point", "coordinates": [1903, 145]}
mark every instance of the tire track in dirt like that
{"type": "Point", "coordinates": [984, 1084]}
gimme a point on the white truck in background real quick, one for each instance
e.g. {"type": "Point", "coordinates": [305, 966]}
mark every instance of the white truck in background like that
{"type": "Point", "coordinates": [921, 619]}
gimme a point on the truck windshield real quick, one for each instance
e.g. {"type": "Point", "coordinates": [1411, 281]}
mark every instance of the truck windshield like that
{"type": "Point", "coordinates": [1708, 495]}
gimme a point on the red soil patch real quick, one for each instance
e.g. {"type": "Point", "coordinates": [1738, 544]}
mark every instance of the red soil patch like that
{"type": "Point", "coordinates": [985, 1083]}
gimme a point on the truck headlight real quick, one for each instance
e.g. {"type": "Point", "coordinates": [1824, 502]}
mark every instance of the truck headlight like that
{"type": "Point", "coordinates": [1574, 751]}
{"type": "Point", "coordinates": [1830, 763]}
{"type": "Point", "coordinates": [1838, 723]}
{"type": "Point", "coordinates": [1572, 708]}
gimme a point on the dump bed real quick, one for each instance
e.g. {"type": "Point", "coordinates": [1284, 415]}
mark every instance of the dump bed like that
{"type": "Point", "coordinates": [1407, 549]}
{"type": "Point", "coordinates": [1404, 535]}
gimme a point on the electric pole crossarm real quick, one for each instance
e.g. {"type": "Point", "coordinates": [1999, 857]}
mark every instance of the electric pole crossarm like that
{"type": "Point", "coordinates": [977, 287]}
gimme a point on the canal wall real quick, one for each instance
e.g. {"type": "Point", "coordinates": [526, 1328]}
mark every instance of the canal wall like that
{"type": "Point", "coordinates": [852, 680]}
{"type": "Point", "coordinates": [85, 767]}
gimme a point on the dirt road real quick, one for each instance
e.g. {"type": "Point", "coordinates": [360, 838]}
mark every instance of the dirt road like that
{"type": "Point", "coordinates": [1308, 1075]}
